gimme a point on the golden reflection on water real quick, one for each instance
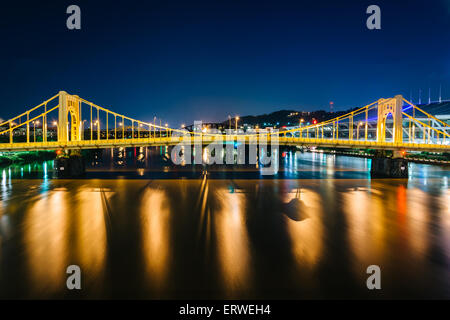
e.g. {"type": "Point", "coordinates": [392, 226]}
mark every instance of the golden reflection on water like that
{"type": "Point", "coordinates": [1, 227]}
{"type": "Point", "coordinates": [445, 222]}
{"type": "Point", "coordinates": [232, 240]}
{"type": "Point", "coordinates": [365, 224]}
{"type": "Point", "coordinates": [307, 233]}
{"type": "Point", "coordinates": [386, 219]}
{"type": "Point", "coordinates": [90, 232]}
{"type": "Point", "coordinates": [46, 241]}
{"type": "Point", "coordinates": [204, 228]}
{"type": "Point", "coordinates": [387, 224]}
{"type": "Point", "coordinates": [1, 235]}
{"type": "Point", "coordinates": [155, 220]}
{"type": "Point", "coordinates": [418, 220]}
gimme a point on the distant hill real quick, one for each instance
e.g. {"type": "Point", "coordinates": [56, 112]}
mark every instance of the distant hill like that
{"type": "Point", "coordinates": [286, 118]}
{"type": "Point", "coordinates": [292, 117]}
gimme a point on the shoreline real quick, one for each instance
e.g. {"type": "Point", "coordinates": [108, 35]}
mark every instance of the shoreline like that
{"type": "Point", "coordinates": [369, 156]}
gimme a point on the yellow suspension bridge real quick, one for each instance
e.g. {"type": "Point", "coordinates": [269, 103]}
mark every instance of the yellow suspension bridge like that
{"type": "Point", "coordinates": [57, 123]}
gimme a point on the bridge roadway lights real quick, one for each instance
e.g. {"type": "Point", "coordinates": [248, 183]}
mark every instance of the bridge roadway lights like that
{"type": "Point", "coordinates": [70, 164]}
{"type": "Point", "coordinates": [389, 167]}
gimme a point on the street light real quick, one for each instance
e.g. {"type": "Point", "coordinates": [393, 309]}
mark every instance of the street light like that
{"type": "Point", "coordinates": [357, 129]}
{"type": "Point", "coordinates": [237, 119]}
{"type": "Point", "coordinates": [36, 122]}
{"type": "Point", "coordinates": [97, 124]}
{"type": "Point", "coordinates": [55, 123]}
{"type": "Point", "coordinates": [301, 122]}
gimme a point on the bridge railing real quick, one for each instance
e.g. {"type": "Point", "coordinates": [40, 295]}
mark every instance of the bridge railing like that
{"type": "Point", "coordinates": [29, 123]}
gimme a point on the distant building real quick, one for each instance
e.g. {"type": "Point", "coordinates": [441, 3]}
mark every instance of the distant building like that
{"type": "Point", "coordinates": [441, 110]}
{"type": "Point", "coordinates": [208, 126]}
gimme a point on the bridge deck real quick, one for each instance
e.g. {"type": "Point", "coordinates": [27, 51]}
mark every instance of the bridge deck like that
{"type": "Point", "coordinates": [170, 141]}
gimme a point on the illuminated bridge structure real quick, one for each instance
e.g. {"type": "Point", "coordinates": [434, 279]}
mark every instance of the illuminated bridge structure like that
{"type": "Point", "coordinates": [68, 122]}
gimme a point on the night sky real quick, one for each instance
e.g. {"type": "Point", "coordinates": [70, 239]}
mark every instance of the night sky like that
{"type": "Point", "coordinates": [186, 60]}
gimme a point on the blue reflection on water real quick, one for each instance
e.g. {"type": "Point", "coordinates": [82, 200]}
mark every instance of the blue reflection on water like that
{"type": "Point", "coordinates": [292, 165]}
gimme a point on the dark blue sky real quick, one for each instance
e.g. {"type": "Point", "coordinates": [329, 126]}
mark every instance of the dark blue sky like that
{"type": "Point", "coordinates": [186, 60]}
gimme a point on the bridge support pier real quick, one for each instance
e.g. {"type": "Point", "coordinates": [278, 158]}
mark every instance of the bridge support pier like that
{"type": "Point", "coordinates": [389, 167]}
{"type": "Point", "coordinates": [70, 165]}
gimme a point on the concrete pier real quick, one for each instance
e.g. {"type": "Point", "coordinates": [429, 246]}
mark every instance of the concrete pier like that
{"type": "Point", "coordinates": [69, 166]}
{"type": "Point", "coordinates": [389, 167]}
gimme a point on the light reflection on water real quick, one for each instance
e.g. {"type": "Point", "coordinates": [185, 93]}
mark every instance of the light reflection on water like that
{"type": "Point", "coordinates": [306, 233]}
{"type": "Point", "coordinates": [90, 227]}
{"type": "Point", "coordinates": [232, 241]}
{"type": "Point", "coordinates": [445, 222]}
{"type": "Point", "coordinates": [45, 231]}
{"type": "Point", "coordinates": [155, 219]}
{"type": "Point", "coordinates": [227, 237]}
{"type": "Point", "coordinates": [365, 214]}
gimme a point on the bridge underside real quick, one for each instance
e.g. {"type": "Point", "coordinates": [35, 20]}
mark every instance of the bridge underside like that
{"type": "Point", "coordinates": [171, 141]}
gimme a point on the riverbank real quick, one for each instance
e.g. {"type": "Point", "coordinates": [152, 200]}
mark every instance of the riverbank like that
{"type": "Point", "coordinates": [11, 158]}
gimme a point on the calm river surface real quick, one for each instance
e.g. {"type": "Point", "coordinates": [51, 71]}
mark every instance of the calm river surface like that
{"type": "Point", "coordinates": [139, 227]}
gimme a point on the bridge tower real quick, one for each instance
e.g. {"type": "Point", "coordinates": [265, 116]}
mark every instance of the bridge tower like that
{"type": "Point", "coordinates": [69, 130]}
{"type": "Point", "coordinates": [390, 106]}
{"type": "Point", "coordinates": [71, 162]}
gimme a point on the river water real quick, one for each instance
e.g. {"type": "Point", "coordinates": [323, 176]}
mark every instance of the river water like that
{"type": "Point", "coordinates": [140, 227]}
